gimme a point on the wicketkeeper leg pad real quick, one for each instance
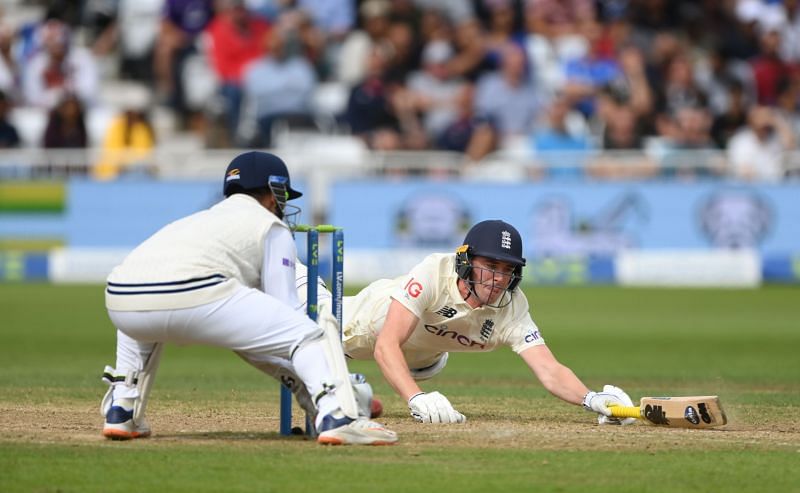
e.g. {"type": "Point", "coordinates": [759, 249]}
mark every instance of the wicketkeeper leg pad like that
{"type": "Point", "coordinates": [339, 384]}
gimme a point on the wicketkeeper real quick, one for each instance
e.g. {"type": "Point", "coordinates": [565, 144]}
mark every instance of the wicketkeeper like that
{"type": "Point", "coordinates": [225, 277]}
{"type": "Point", "coordinates": [467, 302]}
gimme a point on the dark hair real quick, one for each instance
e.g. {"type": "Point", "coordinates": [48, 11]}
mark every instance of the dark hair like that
{"type": "Point", "coordinates": [256, 193]}
{"type": "Point", "coordinates": [129, 124]}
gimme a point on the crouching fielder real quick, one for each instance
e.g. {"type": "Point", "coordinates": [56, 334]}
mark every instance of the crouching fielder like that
{"type": "Point", "coordinates": [466, 302]}
{"type": "Point", "coordinates": [225, 277]}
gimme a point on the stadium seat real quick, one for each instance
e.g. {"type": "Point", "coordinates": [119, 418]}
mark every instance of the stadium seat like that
{"type": "Point", "coordinates": [98, 119]}
{"type": "Point", "coordinates": [31, 123]}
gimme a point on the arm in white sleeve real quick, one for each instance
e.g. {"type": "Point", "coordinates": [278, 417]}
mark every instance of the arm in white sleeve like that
{"type": "Point", "coordinates": [324, 296]}
{"type": "Point", "coordinates": [278, 269]}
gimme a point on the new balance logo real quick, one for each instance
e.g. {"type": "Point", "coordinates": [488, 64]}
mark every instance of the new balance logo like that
{"type": "Point", "coordinates": [446, 311]}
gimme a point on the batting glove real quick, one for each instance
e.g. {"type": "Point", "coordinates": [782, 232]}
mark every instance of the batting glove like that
{"type": "Point", "coordinates": [625, 401]}
{"type": "Point", "coordinates": [598, 402]}
{"type": "Point", "coordinates": [433, 407]}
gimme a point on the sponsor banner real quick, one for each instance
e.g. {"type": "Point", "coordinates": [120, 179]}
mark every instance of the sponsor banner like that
{"type": "Point", "coordinates": [571, 219]}
{"type": "Point", "coordinates": [781, 268]}
{"type": "Point", "coordinates": [677, 268]}
{"type": "Point", "coordinates": [720, 268]}
{"type": "Point", "coordinates": [569, 270]}
{"type": "Point", "coordinates": [31, 197]}
{"type": "Point", "coordinates": [20, 266]}
{"type": "Point", "coordinates": [89, 265]}
{"type": "Point", "coordinates": [102, 214]}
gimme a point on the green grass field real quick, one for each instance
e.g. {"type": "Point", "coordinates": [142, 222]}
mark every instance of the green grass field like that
{"type": "Point", "coordinates": [215, 418]}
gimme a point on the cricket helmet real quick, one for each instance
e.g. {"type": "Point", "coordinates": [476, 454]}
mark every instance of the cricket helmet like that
{"type": "Point", "coordinates": [255, 169]}
{"type": "Point", "coordinates": [494, 239]}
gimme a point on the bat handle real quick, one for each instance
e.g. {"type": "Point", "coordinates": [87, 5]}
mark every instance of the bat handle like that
{"type": "Point", "coordinates": [625, 411]}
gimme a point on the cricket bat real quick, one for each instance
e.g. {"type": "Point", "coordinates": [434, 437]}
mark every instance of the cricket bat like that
{"type": "Point", "coordinates": [676, 412]}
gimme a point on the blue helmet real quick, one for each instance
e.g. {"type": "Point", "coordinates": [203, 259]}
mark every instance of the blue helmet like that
{"type": "Point", "coordinates": [256, 170]}
{"type": "Point", "coordinates": [493, 239]}
{"type": "Point", "coordinates": [253, 170]}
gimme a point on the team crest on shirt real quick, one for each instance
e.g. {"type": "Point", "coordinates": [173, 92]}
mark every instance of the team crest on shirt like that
{"type": "Point", "coordinates": [486, 329]}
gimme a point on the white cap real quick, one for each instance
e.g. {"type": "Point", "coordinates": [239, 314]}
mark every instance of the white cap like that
{"type": "Point", "coordinates": [773, 18]}
{"type": "Point", "coordinates": [437, 52]}
{"type": "Point", "coordinates": [749, 10]}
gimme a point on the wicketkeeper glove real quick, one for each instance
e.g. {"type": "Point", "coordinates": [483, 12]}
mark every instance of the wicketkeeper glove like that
{"type": "Point", "coordinates": [433, 407]}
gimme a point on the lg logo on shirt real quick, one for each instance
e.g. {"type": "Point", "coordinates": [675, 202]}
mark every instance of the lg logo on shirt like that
{"type": "Point", "coordinates": [413, 288]}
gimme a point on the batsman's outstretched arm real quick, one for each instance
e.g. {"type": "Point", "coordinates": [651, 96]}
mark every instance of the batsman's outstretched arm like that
{"type": "Point", "coordinates": [397, 328]}
{"type": "Point", "coordinates": [558, 379]}
{"type": "Point", "coordinates": [425, 407]}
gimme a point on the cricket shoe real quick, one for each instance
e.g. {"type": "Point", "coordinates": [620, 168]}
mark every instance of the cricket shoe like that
{"type": "Point", "coordinates": [349, 431]}
{"type": "Point", "coordinates": [119, 425]}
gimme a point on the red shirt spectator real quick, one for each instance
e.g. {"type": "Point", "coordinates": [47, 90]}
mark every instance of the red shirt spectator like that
{"type": "Point", "coordinates": [237, 38]}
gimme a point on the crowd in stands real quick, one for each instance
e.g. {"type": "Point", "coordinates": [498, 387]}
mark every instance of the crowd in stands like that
{"type": "Point", "coordinates": [471, 76]}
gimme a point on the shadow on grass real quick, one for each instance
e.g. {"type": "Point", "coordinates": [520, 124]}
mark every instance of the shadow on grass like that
{"type": "Point", "coordinates": [231, 435]}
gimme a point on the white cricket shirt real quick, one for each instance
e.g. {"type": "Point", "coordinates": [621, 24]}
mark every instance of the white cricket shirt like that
{"type": "Point", "coordinates": [198, 259]}
{"type": "Point", "coordinates": [446, 322]}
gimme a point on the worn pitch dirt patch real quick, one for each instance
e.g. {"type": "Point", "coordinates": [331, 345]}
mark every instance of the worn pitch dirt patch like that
{"type": "Point", "coordinates": [240, 425]}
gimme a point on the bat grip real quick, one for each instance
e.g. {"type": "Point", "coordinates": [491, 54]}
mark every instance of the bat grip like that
{"type": "Point", "coordinates": [625, 411]}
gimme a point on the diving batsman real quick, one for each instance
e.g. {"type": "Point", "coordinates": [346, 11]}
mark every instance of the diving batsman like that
{"type": "Point", "coordinates": [469, 301]}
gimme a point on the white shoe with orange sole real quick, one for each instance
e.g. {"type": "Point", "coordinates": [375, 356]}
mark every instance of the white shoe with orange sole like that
{"type": "Point", "coordinates": [348, 431]}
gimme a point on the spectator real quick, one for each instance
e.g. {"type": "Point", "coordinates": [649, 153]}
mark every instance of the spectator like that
{"type": "Point", "coordinates": [130, 137]}
{"type": "Point", "coordinates": [133, 30]}
{"type": "Point", "coordinates": [9, 67]}
{"type": "Point", "coordinates": [690, 151]}
{"type": "Point", "coordinates": [788, 104]}
{"type": "Point", "coordinates": [58, 69]}
{"type": "Point", "coordinates": [279, 86]}
{"type": "Point", "coordinates": [756, 152]}
{"type": "Point", "coordinates": [405, 51]}
{"type": "Point", "coordinates": [502, 28]}
{"type": "Point", "coordinates": [138, 22]}
{"type": "Point", "coordinates": [768, 67]}
{"type": "Point", "coordinates": [622, 130]}
{"type": "Point", "coordinates": [790, 35]}
{"type": "Point", "coordinates": [469, 133]}
{"type": "Point", "coordinates": [182, 22]}
{"type": "Point", "coordinates": [586, 75]}
{"type": "Point", "coordinates": [335, 18]}
{"type": "Point", "coordinates": [8, 133]}
{"type": "Point", "coordinates": [66, 127]}
{"type": "Point", "coordinates": [370, 113]}
{"type": "Point", "coordinates": [733, 118]}
{"type": "Point", "coordinates": [508, 96]}
{"type": "Point", "coordinates": [679, 88]}
{"type": "Point", "coordinates": [358, 45]}
{"type": "Point", "coordinates": [434, 90]}
{"type": "Point", "coordinates": [560, 148]}
{"type": "Point", "coordinates": [452, 11]}
{"type": "Point", "coordinates": [470, 61]}
{"type": "Point", "coordinates": [237, 38]}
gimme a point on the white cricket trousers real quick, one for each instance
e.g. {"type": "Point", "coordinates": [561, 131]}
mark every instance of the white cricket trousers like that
{"type": "Point", "coordinates": [261, 329]}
